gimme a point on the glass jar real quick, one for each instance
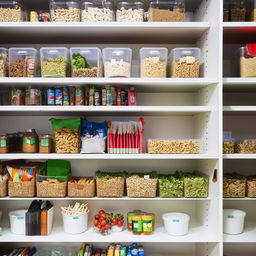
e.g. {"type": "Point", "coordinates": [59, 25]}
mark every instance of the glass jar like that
{"type": "Point", "coordinates": [65, 11]}
{"type": "Point", "coordinates": [3, 62]}
{"type": "Point", "coordinates": [17, 97]}
{"type": "Point", "coordinates": [4, 144]}
{"type": "Point", "coordinates": [117, 62]}
{"type": "Point", "coordinates": [45, 144]}
{"type": "Point", "coordinates": [86, 62]}
{"type": "Point", "coordinates": [129, 220]}
{"type": "Point", "coordinates": [19, 141]}
{"type": "Point", "coordinates": [130, 11]}
{"type": "Point", "coordinates": [185, 62]}
{"type": "Point", "coordinates": [97, 11]}
{"type": "Point", "coordinates": [23, 62]}
{"type": "Point", "coordinates": [11, 11]}
{"type": "Point", "coordinates": [137, 225]}
{"type": "Point", "coordinates": [248, 61]}
{"type": "Point", "coordinates": [226, 9]}
{"type": "Point", "coordinates": [147, 224]}
{"type": "Point", "coordinates": [166, 11]}
{"type": "Point", "coordinates": [153, 62]}
{"type": "Point", "coordinates": [30, 141]}
{"type": "Point", "coordinates": [54, 61]}
{"type": "Point", "coordinates": [33, 97]}
{"type": "Point", "coordinates": [238, 10]}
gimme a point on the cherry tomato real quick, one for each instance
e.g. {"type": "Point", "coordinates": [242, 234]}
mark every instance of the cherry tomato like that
{"type": "Point", "coordinates": [97, 216]}
{"type": "Point", "coordinates": [101, 218]}
{"type": "Point", "coordinates": [108, 226]}
{"type": "Point", "coordinates": [101, 212]}
{"type": "Point", "coordinates": [115, 221]}
{"type": "Point", "coordinates": [99, 226]}
{"type": "Point", "coordinates": [120, 223]}
{"type": "Point", "coordinates": [96, 222]}
{"type": "Point", "coordinates": [103, 215]}
{"type": "Point", "coordinates": [103, 222]}
{"type": "Point", "coordinates": [103, 228]}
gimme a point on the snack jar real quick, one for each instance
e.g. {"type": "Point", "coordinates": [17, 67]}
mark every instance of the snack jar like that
{"type": "Point", "coordinates": [33, 96]}
{"type": "Point", "coordinates": [166, 11]}
{"type": "Point", "coordinates": [248, 60]}
{"type": "Point", "coordinates": [238, 10]}
{"type": "Point", "coordinates": [185, 62]}
{"type": "Point", "coordinates": [117, 62]}
{"type": "Point", "coordinates": [153, 62]}
{"type": "Point", "coordinates": [23, 62]}
{"type": "Point", "coordinates": [65, 11]}
{"type": "Point", "coordinates": [30, 141]}
{"type": "Point", "coordinates": [54, 61]}
{"type": "Point", "coordinates": [130, 11]}
{"type": "Point", "coordinates": [3, 62]}
{"type": "Point", "coordinates": [12, 11]}
{"type": "Point", "coordinates": [86, 62]}
{"type": "Point", "coordinates": [97, 11]}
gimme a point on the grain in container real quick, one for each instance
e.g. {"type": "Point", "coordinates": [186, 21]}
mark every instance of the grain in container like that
{"type": "Point", "coordinates": [86, 62]}
{"type": "Point", "coordinates": [23, 62]}
{"type": "Point", "coordinates": [18, 222]}
{"type": "Point", "coordinates": [132, 11]}
{"type": "Point", "coordinates": [153, 62]}
{"type": "Point", "coordinates": [65, 11]}
{"type": "Point", "coordinates": [3, 62]}
{"type": "Point", "coordinates": [117, 62]}
{"type": "Point", "coordinates": [185, 62]}
{"type": "Point", "coordinates": [54, 61]}
{"type": "Point", "coordinates": [12, 11]}
{"type": "Point", "coordinates": [166, 11]}
{"type": "Point", "coordinates": [248, 60]}
{"type": "Point", "coordinates": [176, 223]}
{"type": "Point", "coordinates": [75, 224]}
{"type": "Point", "coordinates": [233, 221]}
{"type": "Point", "coordinates": [97, 11]}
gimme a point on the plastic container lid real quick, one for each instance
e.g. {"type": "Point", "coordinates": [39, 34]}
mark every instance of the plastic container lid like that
{"type": "Point", "coordinates": [176, 215]}
{"type": "Point", "coordinates": [117, 53]}
{"type": "Point", "coordinates": [67, 3]}
{"type": "Point", "coordinates": [17, 213]}
{"type": "Point", "coordinates": [160, 52]}
{"type": "Point", "coordinates": [233, 212]}
{"type": "Point", "coordinates": [178, 53]}
{"type": "Point", "coordinates": [97, 4]}
{"type": "Point", "coordinates": [131, 4]}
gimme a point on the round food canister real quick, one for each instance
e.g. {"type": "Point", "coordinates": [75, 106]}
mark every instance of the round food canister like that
{"type": "Point", "coordinates": [17, 221]}
{"type": "Point", "coordinates": [233, 221]}
{"type": "Point", "coordinates": [176, 223]}
{"type": "Point", "coordinates": [75, 224]}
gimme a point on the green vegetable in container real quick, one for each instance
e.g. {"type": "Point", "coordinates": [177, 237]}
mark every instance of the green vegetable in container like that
{"type": "Point", "coordinates": [79, 61]}
{"type": "Point", "coordinates": [107, 175]}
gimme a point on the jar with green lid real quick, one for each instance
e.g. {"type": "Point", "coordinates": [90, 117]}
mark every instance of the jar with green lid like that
{"type": "Point", "coordinates": [147, 224]}
{"type": "Point", "coordinates": [4, 144]}
{"type": "Point", "coordinates": [137, 225]}
{"type": "Point", "coordinates": [45, 144]}
{"type": "Point", "coordinates": [30, 141]}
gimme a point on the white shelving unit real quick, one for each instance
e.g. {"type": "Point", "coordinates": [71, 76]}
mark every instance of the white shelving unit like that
{"type": "Point", "coordinates": [177, 108]}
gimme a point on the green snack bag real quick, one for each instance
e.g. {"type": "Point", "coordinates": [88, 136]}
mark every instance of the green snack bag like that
{"type": "Point", "coordinates": [58, 168]}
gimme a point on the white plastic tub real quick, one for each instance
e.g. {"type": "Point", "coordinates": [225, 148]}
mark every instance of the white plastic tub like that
{"type": "Point", "coordinates": [75, 224]}
{"type": "Point", "coordinates": [176, 223]}
{"type": "Point", "coordinates": [17, 221]}
{"type": "Point", "coordinates": [233, 221]}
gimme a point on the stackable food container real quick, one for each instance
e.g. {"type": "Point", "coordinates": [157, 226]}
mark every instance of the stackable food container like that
{"type": "Point", "coordinates": [132, 11]}
{"type": "Point", "coordinates": [11, 11]}
{"type": "Point", "coordinates": [3, 62]}
{"type": "Point", "coordinates": [54, 61]}
{"type": "Point", "coordinates": [153, 62]}
{"type": "Point", "coordinates": [18, 222]}
{"type": "Point", "coordinates": [248, 60]}
{"type": "Point", "coordinates": [185, 62]}
{"type": "Point", "coordinates": [97, 11]}
{"type": "Point", "coordinates": [166, 11]}
{"type": "Point", "coordinates": [233, 221]}
{"type": "Point", "coordinates": [65, 11]}
{"type": "Point", "coordinates": [117, 62]}
{"type": "Point", "coordinates": [23, 62]}
{"type": "Point", "coordinates": [91, 59]}
{"type": "Point", "coordinates": [238, 10]}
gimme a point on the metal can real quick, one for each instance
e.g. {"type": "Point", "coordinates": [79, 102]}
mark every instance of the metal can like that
{"type": "Point", "coordinates": [50, 96]}
{"type": "Point", "coordinates": [113, 93]}
{"type": "Point", "coordinates": [97, 101]}
{"type": "Point", "coordinates": [86, 96]}
{"type": "Point", "coordinates": [58, 96]}
{"type": "Point", "coordinates": [91, 96]}
{"type": "Point", "coordinates": [79, 96]}
{"type": "Point", "coordinates": [109, 96]}
{"type": "Point", "coordinates": [123, 98]}
{"type": "Point", "coordinates": [118, 95]}
{"type": "Point", "coordinates": [129, 220]}
{"type": "Point", "coordinates": [72, 96]}
{"type": "Point", "coordinates": [66, 101]}
{"type": "Point", "coordinates": [103, 97]}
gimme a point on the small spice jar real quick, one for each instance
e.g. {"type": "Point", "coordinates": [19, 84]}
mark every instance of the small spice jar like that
{"type": "Point", "coordinates": [45, 144]}
{"type": "Point", "coordinates": [30, 141]}
{"type": "Point", "coordinates": [4, 144]}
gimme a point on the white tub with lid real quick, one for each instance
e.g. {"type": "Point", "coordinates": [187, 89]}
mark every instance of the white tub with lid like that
{"type": "Point", "coordinates": [176, 223]}
{"type": "Point", "coordinates": [75, 224]}
{"type": "Point", "coordinates": [233, 221]}
{"type": "Point", "coordinates": [18, 220]}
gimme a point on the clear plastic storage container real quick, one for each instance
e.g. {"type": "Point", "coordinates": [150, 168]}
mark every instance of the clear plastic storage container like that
{"type": "Point", "coordinates": [65, 11]}
{"type": "Point", "coordinates": [3, 62]}
{"type": "Point", "coordinates": [153, 62]}
{"type": "Point", "coordinates": [238, 10]}
{"type": "Point", "coordinates": [247, 146]}
{"type": "Point", "coordinates": [86, 62]}
{"type": "Point", "coordinates": [11, 11]}
{"type": "Point", "coordinates": [23, 62]}
{"type": "Point", "coordinates": [117, 62]}
{"type": "Point", "coordinates": [185, 62]}
{"type": "Point", "coordinates": [96, 11]}
{"type": "Point", "coordinates": [130, 11]}
{"type": "Point", "coordinates": [54, 62]}
{"type": "Point", "coordinates": [166, 11]}
{"type": "Point", "coordinates": [248, 61]}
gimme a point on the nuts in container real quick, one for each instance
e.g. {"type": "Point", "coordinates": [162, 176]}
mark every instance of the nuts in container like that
{"type": "Point", "coordinates": [246, 147]}
{"type": "Point", "coordinates": [167, 146]}
{"type": "Point", "coordinates": [11, 11]}
{"type": "Point", "coordinates": [66, 133]}
{"type": "Point", "coordinates": [97, 11]}
{"type": "Point", "coordinates": [153, 62]}
{"type": "Point", "coordinates": [185, 62]}
{"type": "Point", "coordinates": [65, 11]}
{"type": "Point", "coordinates": [117, 62]}
{"type": "Point", "coordinates": [234, 185]}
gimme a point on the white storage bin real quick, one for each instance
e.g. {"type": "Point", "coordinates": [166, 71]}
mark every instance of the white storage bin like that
{"type": "Point", "coordinates": [176, 223]}
{"type": "Point", "coordinates": [75, 224]}
{"type": "Point", "coordinates": [0, 218]}
{"type": "Point", "coordinates": [233, 221]}
{"type": "Point", "coordinates": [18, 222]}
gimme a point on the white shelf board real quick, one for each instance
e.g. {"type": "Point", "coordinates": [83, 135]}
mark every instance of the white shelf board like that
{"type": "Point", "coordinates": [109, 156]}
{"type": "Point", "coordinates": [141, 84]}
{"type": "Point", "coordinates": [239, 84]}
{"type": "Point", "coordinates": [104, 110]}
{"type": "Point", "coordinates": [239, 199]}
{"type": "Point", "coordinates": [239, 156]}
{"type": "Point", "coordinates": [91, 32]}
{"type": "Point", "coordinates": [196, 234]}
{"type": "Point", "coordinates": [239, 110]}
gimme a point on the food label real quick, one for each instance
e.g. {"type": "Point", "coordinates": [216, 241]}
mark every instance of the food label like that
{"type": "Point", "coordinates": [146, 177]}
{"type": "Point", "coordinates": [231, 217]}
{"type": "Point", "coordinates": [190, 59]}
{"type": "Point", "coordinates": [147, 226]}
{"type": "Point", "coordinates": [3, 143]}
{"type": "Point", "coordinates": [20, 218]}
{"type": "Point", "coordinates": [80, 187]}
{"type": "Point", "coordinates": [175, 221]}
{"type": "Point", "coordinates": [44, 143]}
{"type": "Point", "coordinates": [137, 226]}
{"type": "Point", "coordinates": [75, 218]}
{"type": "Point", "coordinates": [31, 141]}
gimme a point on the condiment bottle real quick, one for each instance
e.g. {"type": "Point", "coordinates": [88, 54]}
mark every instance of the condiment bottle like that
{"type": "Point", "coordinates": [129, 220]}
{"type": "Point", "coordinates": [137, 225]}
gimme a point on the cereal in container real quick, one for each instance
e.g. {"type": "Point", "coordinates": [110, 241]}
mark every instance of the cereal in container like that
{"type": "Point", "coordinates": [12, 11]}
